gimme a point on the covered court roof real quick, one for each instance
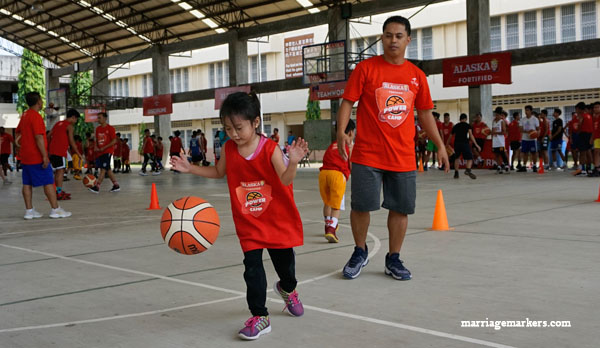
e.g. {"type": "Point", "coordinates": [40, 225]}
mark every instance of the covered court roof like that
{"type": "Point", "coordinates": [68, 31]}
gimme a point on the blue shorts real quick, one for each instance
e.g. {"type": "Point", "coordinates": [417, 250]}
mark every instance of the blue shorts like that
{"type": "Point", "coordinates": [529, 146]}
{"type": "Point", "coordinates": [556, 144]}
{"type": "Point", "coordinates": [34, 175]}
{"type": "Point", "coordinates": [103, 161]}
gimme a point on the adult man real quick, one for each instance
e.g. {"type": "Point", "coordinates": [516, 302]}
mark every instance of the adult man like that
{"type": "Point", "coordinates": [387, 89]}
{"type": "Point", "coordinates": [556, 139]}
{"type": "Point", "coordinates": [463, 138]}
{"type": "Point", "coordinates": [275, 136]}
{"type": "Point", "coordinates": [5, 149]}
{"type": "Point", "coordinates": [61, 137]}
{"type": "Point", "coordinates": [528, 124]}
{"type": "Point", "coordinates": [106, 138]}
{"type": "Point", "coordinates": [31, 139]}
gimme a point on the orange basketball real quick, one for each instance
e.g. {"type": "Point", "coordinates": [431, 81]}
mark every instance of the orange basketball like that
{"type": "Point", "coordinates": [449, 150]}
{"type": "Point", "coordinates": [533, 134]}
{"type": "Point", "coordinates": [89, 180]}
{"type": "Point", "coordinates": [486, 131]}
{"type": "Point", "coordinates": [190, 225]}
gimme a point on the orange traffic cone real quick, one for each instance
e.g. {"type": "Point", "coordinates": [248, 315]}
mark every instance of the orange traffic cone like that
{"type": "Point", "coordinates": [598, 200]}
{"type": "Point", "coordinates": [421, 165]}
{"type": "Point", "coordinates": [154, 199]}
{"type": "Point", "coordinates": [541, 169]}
{"type": "Point", "coordinates": [440, 220]}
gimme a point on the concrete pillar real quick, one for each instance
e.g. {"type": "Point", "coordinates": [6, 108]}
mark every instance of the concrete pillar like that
{"type": "Point", "coordinates": [238, 62]}
{"type": "Point", "coordinates": [161, 85]}
{"type": "Point", "coordinates": [338, 29]}
{"type": "Point", "coordinates": [478, 42]}
{"type": "Point", "coordinates": [51, 83]}
{"type": "Point", "coordinates": [100, 81]}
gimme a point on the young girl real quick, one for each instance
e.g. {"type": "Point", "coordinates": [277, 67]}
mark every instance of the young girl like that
{"type": "Point", "coordinates": [262, 203]}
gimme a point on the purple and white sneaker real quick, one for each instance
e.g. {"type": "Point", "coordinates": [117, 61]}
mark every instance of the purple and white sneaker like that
{"type": "Point", "coordinates": [292, 302]}
{"type": "Point", "coordinates": [254, 327]}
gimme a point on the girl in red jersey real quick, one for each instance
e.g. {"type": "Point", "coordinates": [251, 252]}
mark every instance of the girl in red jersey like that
{"type": "Point", "coordinates": [262, 203]}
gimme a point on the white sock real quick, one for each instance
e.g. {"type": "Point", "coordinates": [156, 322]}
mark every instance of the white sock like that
{"type": "Point", "coordinates": [327, 220]}
{"type": "Point", "coordinates": [29, 210]}
{"type": "Point", "coordinates": [334, 222]}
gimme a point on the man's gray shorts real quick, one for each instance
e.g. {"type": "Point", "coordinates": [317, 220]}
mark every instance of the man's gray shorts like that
{"type": "Point", "coordinates": [399, 189]}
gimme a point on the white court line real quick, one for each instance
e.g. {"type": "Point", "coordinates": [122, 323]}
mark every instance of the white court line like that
{"type": "Point", "coordinates": [70, 227]}
{"type": "Point", "coordinates": [239, 295]}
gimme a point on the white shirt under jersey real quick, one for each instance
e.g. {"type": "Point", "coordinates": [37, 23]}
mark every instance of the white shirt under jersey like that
{"type": "Point", "coordinates": [497, 139]}
{"type": "Point", "coordinates": [529, 124]}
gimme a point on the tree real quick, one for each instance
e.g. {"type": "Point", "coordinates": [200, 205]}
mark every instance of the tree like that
{"type": "Point", "coordinates": [313, 109]}
{"type": "Point", "coordinates": [32, 78]}
{"type": "Point", "coordinates": [141, 141]}
{"type": "Point", "coordinates": [80, 92]}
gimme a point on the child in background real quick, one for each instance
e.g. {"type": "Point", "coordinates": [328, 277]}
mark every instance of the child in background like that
{"type": "Point", "coordinates": [77, 159]}
{"type": "Point", "coordinates": [332, 184]}
{"type": "Point", "coordinates": [125, 154]}
{"type": "Point", "coordinates": [158, 154]}
{"type": "Point", "coordinates": [262, 203]}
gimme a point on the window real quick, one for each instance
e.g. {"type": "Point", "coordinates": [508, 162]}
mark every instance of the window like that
{"type": "Point", "coordinates": [172, 80]}
{"type": "Point", "coordinates": [120, 89]}
{"type": "Point", "coordinates": [186, 80]}
{"type": "Point", "coordinates": [178, 80]}
{"type": "Point", "coordinates": [412, 50]}
{"type": "Point", "coordinates": [254, 68]}
{"type": "Point", "coordinates": [548, 26]}
{"type": "Point", "coordinates": [530, 30]}
{"type": "Point", "coordinates": [567, 113]}
{"type": "Point", "coordinates": [567, 23]}
{"type": "Point", "coordinates": [372, 45]}
{"type": "Point", "coordinates": [588, 20]}
{"type": "Point", "coordinates": [211, 76]}
{"type": "Point", "coordinates": [145, 85]}
{"type": "Point", "coordinates": [218, 74]}
{"type": "Point", "coordinates": [427, 43]}
{"type": "Point", "coordinates": [360, 45]}
{"type": "Point", "coordinates": [126, 88]}
{"type": "Point", "coordinates": [512, 111]}
{"type": "Point", "coordinates": [495, 34]}
{"type": "Point", "coordinates": [512, 31]}
{"type": "Point", "coordinates": [179, 84]}
{"type": "Point", "coordinates": [267, 129]}
{"type": "Point", "coordinates": [150, 85]}
{"type": "Point", "coordinates": [219, 81]}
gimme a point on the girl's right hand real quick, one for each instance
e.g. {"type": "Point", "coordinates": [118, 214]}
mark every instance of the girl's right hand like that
{"type": "Point", "coordinates": [180, 164]}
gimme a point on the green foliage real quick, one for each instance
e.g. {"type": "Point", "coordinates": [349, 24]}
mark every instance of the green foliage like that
{"type": "Point", "coordinates": [80, 92]}
{"type": "Point", "coordinates": [32, 78]}
{"type": "Point", "coordinates": [313, 109]}
{"type": "Point", "coordinates": [142, 128]}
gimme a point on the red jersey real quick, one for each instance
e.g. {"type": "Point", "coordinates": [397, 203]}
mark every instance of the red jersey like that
{"type": "Point", "coordinates": [587, 126]}
{"type": "Point", "coordinates": [175, 145]}
{"type": "Point", "coordinates": [514, 132]}
{"type": "Point", "coordinates": [478, 130]}
{"type": "Point", "coordinates": [6, 139]}
{"type": "Point", "coordinates": [387, 95]}
{"type": "Point", "coordinates": [596, 122]}
{"type": "Point", "coordinates": [264, 211]}
{"type": "Point", "coordinates": [89, 151]}
{"type": "Point", "coordinates": [30, 125]}
{"type": "Point", "coordinates": [333, 161]}
{"type": "Point", "coordinates": [104, 135]}
{"type": "Point", "coordinates": [59, 139]}
{"type": "Point", "coordinates": [573, 125]}
{"type": "Point", "coordinates": [117, 148]}
{"type": "Point", "coordinates": [79, 147]}
{"type": "Point", "coordinates": [544, 129]}
{"type": "Point", "coordinates": [125, 152]}
{"type": "Point", "coordinates": [447, 130]}
{"type": "Point", "coordinates": [159, 150]}
{"type": "Point", "coordinates": [148, 146]}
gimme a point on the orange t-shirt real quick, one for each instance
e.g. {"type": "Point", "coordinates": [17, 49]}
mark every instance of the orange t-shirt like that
{"type": "Point", "coordinates": [6, 140]}
{"type": "Point", "coordinates": [31, 124]}
{"type": "Point", "coordinates": [387, 95]}
{"type": "Point", "coordinates": [478, 130]}
{"type": "Point", "coordinates": [104, 135]}
{"type": "Point", "coordinates": [587, 126]}
{"type": "Point", "coordinates": [333, 161]}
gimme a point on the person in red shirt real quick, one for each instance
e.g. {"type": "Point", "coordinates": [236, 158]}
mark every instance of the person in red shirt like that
{"type": "Point", "coordinates": [447, 133]}
{"type": "Point", "coordinates": [32, 143]}
{"type": "Point", "coordinates": [430, 148]}
{"type": "Point", "coordinates": [479, 132]}
{"type": "Point", "coordinates": [275, 136]}
{"type": "Point", "coordinates": [5, 149]}
{"type": "Point", "coordinates": [159, 153]}
{"type": "Point", "coordinates": [543, 137]}
{"type": "Point", "coordinates": [125, 153]}
{"type": "Point", "coordinates": [148, 151]}
{"type": "Point", "coordinates": [105, 146]}
{"type": "Point", "coordinates": [262, 203]}
{"type": "Point", "coordinates": [176, 147]}
{"type": "Point", "coordinates": [514, 137]}
{"type": "Point", "coordinates": [117, 154]}
{"type": "Point", "coordinates": [90, 158]}
{"type": "Point", "coordinates": [333, 176]}
{"type": "Point", "coordinates": [388, 88]}
{"type": "Point", "coordinates": [61, 139]}
{"type": "Point", "coordinates": [584, 145]}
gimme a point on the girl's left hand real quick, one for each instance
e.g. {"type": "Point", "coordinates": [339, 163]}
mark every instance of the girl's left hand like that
{"type": "Point", "coordinates": [298, 150]}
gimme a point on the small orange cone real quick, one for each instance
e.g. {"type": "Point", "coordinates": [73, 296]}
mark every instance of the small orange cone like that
{"type": "Point", "coordinates": [541, 169]}
{"type": "Point", "coordinates": [421, 165]}
{"type": "Point", "coordinates": [598, 200]}
{"type": "Point", "coordinates": [440, 220]}
{"type": "Point", "coordinates": [154, 199]}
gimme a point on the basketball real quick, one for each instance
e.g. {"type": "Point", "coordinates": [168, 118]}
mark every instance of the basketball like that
{"type": "Point", "coordinates": [486, 131]}
{"type": "Point", "coordinates": [190, 225]}
{"type": "Point", "coordinates": [533, 134]}
{"type": "Point", "coordinates": [89, 180]}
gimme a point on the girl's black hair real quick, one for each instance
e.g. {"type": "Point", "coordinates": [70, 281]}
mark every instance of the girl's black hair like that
{"type": "Point", "coordinates": [240, 104]}
{"type": "Point", "coordinates": [177, 133]}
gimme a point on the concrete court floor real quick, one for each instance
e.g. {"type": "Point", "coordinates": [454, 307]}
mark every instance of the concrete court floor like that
{"type": "Point", "coordinates": [524, 246]}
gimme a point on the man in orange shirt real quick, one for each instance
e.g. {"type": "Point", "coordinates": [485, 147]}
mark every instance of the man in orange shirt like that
{"type": "Point", "coordinates": [32, 143]}
{"type": "Point", "coordinates": [387, 88]}
{"type": "Point", "coordinates": [61, 138]}
{"type": "Point", "coordinates": [106, 138]}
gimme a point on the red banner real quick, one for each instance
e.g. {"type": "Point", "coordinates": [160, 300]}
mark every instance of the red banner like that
{"type": "Point", "coordinates": [91, 115]}
{"type": "Point", "coordinates": [158, 105]}
{"type": "Point", "coordinates": [222, 93]}
{"type": "Point", "coordinates": [477, 70]}
{"type": "Point", "coordinates": [325, 91]}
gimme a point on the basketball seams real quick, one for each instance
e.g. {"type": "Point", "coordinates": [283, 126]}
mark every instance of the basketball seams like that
{"type": "Point", "coordinates": [189, 214]}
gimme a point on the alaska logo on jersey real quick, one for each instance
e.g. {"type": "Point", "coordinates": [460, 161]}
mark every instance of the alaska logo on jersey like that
{"type": "Point", "coordinates": [395, 102]}
{"type": "Point", "coordinates": [254, 197]}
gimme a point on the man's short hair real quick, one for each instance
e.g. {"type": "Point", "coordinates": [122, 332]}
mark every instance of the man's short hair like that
{"type": "Point", "coordinates": [580, 105]}
{"type": "Point", "coordinates": [545, 112]}
{"type": "Point", "coordinates": [516, 113]}
{"type": "Point", "coordinates": [73, 113]}
{"type": "Point", "coordinates": [558, 111]}
{"type": "Point", "coordinates": [463, 116]}
{"type": "Point", "coordinates": [103, 114]}
{"type": "Point", "coordinates": [446, 114]}
{"type": "Point", "coordinates": [400, 20]}
{"type": "Point", "coordinates": [529, 107]}
{"type": "Point", "coordinates": [32, 98]}
{"type": "Point", "coordinates": [498, 110]}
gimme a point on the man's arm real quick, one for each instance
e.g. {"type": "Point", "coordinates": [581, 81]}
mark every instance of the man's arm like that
{"type": "Point", "coordinates": [70, 132]}
{"type": "Point", "coordinates": [342, 121]}
{"type": "Point", "coordinates": [39, 141]}
{"type": "Point", "coordinates": [428, 124]}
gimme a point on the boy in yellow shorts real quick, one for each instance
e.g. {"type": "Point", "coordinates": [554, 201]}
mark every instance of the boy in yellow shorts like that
{"type": "Point", "coordinates": [332, 184]}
